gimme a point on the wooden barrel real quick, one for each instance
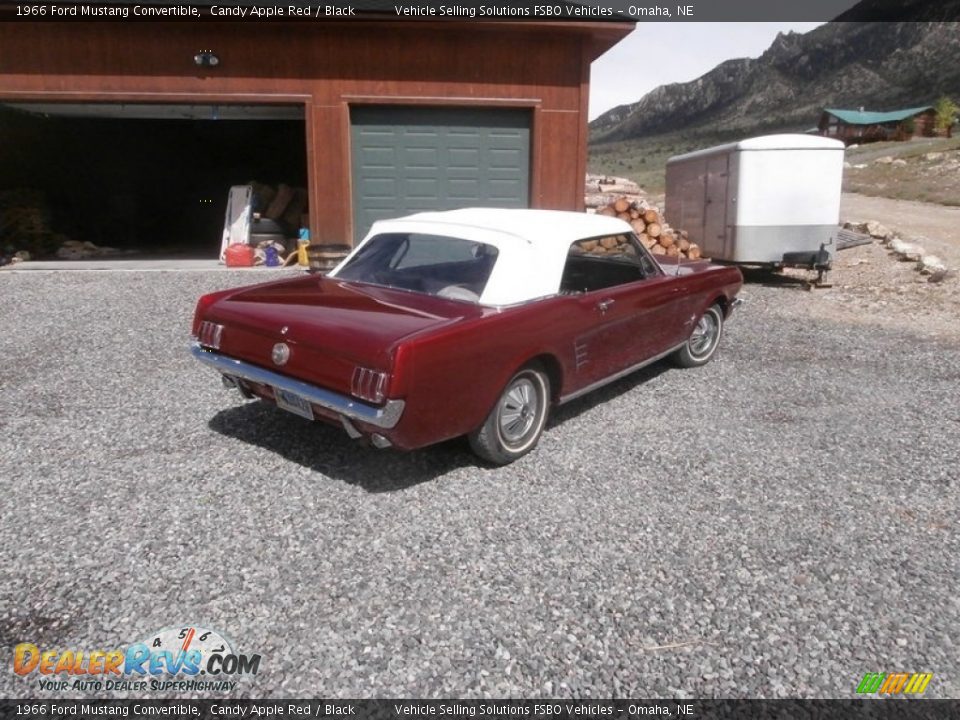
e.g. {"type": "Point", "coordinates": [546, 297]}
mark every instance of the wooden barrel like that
{"type": "Point", "coordinates": [324, 258]}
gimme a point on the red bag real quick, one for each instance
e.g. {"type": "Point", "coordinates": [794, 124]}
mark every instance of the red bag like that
{"type": "Point", "coordinates": [239, 255]}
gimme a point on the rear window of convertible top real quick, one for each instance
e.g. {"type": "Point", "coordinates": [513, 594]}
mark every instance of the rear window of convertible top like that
{"type": "Point", "coordinates": [449, 267]}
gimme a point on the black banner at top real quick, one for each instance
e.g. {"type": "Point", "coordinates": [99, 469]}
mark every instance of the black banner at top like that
{"type": "Point", "coordinates": [485, 10]}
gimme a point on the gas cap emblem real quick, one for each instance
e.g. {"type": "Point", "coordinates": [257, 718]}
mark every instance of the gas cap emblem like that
{"type": "Point", "coordinates": [280, 354]}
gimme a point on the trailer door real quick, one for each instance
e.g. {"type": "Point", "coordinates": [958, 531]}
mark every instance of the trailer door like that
{"type": "Point", "coordinates": [715, 206]}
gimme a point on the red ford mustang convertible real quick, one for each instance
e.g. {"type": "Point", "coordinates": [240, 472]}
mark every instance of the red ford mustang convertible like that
{"type": "Point", "coordinates": [469, 322]}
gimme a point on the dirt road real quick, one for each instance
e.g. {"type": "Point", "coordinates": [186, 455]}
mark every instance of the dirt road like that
{"type": "Point", "coordinates": [938, 225]}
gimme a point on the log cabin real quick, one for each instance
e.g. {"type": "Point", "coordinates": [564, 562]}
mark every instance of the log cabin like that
{"type": "Point", "coordinates": [863, 126]}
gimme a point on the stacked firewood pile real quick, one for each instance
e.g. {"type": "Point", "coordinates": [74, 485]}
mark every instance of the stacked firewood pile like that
{"type": "Point", "coordinates": [25, 222]}
{"type": "Point", "coordinates": [655, 234]}
{"type": "Point", "coordinates": [26, 231]}
{"type": "Point", "coordinates": [601, 190]}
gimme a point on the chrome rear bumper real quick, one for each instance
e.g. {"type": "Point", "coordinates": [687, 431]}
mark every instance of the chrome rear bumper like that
{"type": "Point", "coordinates": [384, 417]}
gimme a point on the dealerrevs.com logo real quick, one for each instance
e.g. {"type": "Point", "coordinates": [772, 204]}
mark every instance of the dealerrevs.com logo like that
{"type": "Point", "coordinates": [181, 659]}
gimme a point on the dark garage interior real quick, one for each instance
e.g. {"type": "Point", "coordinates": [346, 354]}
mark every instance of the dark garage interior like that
{"type": "Point", "coordinates": [144, 179]}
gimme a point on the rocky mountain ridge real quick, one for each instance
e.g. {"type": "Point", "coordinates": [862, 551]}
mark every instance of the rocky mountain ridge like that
{"type": "Point", "coordinates": [878, 65]}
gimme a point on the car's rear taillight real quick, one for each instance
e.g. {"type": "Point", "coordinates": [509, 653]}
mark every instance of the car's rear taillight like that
{"type": "Point", "coordinates": [209, 334]}
{"type": "Point", "coordinates": [202, 305]}
{"type": "Point", "coordinates": [369, 385]}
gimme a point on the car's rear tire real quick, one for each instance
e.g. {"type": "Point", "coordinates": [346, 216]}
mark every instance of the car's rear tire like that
{"type": "Point", "coordinates": [703, 340]}
{"type": "Point", "coordinates": [514, 425]}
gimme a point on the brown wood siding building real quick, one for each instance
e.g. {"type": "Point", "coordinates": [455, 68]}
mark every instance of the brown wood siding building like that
{"type": "Point", "coordinates": [860, 127]}
{"type": "Point", "coordinates": [330, 68]}
{"type": "Point", "coordinates": [925, 125]}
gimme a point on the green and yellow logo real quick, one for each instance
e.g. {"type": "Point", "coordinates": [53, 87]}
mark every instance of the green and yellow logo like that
{"type": "Point", "coordinates": [894, 683]}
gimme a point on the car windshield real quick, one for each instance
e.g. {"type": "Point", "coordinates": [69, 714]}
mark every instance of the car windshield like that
{"type": "Point", "coordinates": [448, 267]}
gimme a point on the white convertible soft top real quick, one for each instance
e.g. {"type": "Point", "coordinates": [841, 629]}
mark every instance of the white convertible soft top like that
{"type": "Point", "coordinates": [532, 245]}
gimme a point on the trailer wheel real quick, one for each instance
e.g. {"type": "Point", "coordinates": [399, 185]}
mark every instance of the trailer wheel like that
{"type": "Point", "coordinates": [703, 341]}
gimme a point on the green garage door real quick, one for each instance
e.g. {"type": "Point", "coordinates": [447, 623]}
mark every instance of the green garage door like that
{"type": "Point", "coordinates": [409, 159]}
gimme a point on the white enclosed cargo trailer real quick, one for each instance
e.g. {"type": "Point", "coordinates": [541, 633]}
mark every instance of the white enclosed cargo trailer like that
{"type": "Point", "coordinates": [771, 200]}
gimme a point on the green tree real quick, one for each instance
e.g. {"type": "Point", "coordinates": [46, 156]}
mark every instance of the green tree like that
{"type": "Point", "coordinates": [946, 110]}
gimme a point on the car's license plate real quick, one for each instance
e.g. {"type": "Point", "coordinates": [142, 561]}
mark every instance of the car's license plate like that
{"type": "Point", "coordinates": [293, 403]}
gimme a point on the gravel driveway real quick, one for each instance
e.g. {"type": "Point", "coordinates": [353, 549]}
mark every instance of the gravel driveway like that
{"type": "Point", "coordinates": [775, 524]}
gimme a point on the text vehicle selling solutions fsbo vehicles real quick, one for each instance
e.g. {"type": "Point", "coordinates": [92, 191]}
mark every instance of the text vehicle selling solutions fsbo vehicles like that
{"type": "Point", "coordinates": [468, 322]}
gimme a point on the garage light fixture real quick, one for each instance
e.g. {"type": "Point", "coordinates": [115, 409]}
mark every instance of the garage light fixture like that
{"type": "Point", "coordinates": [206, 58]}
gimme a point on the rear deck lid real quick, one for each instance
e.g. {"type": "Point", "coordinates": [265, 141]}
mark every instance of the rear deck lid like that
{"type": "Point", "coordinates": [331, 327]}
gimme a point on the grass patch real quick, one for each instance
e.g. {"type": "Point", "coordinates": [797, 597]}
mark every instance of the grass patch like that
{"type": "Point", "coordinates": [644, 160]}
{"type": "Point", "coordinates": [904, 150]}
{"type": "Point", "coordinates": [912, 177]}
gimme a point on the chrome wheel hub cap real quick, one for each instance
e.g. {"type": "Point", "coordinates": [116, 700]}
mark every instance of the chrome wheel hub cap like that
{"type": "Point", "coordinates": [518, 410]}
{"type": "Point", "coordinates": [703, 335]}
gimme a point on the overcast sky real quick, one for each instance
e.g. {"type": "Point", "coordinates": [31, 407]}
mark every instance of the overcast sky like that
{"type": "Point", "coordinates": [663, 52]}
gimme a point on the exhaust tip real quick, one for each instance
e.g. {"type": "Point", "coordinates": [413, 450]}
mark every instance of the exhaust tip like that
{"type": "Point", "coordinates": [232, 383]}
{"type": "Point", "coordinates": [379, 441]}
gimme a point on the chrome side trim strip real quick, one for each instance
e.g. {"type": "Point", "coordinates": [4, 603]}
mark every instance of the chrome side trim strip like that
{"type": "Point", "coordinates": [382, 417]}
{"type": "Point", "coordinates": [617, 376]}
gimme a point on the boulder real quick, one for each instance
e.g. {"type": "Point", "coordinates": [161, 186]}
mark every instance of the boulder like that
{"type": "Point", "coordinates": [906, 251]}
{"type": "Point", "coordinates": [941, 275]}
{"type": "Point", "coordinates": [878, 231]}
{"type": "Point", "coordinates": [930, 264]}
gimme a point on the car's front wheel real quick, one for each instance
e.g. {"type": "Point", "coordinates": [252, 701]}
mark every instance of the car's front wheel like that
{"type": "Point", "coordinates": [516, 422]}
{"type": "Point", "coordinates": [703, 341]}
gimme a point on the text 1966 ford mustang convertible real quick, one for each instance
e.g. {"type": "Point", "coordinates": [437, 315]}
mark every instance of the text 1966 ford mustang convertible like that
{"type": "Point", "coordinates": [468, 322]}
